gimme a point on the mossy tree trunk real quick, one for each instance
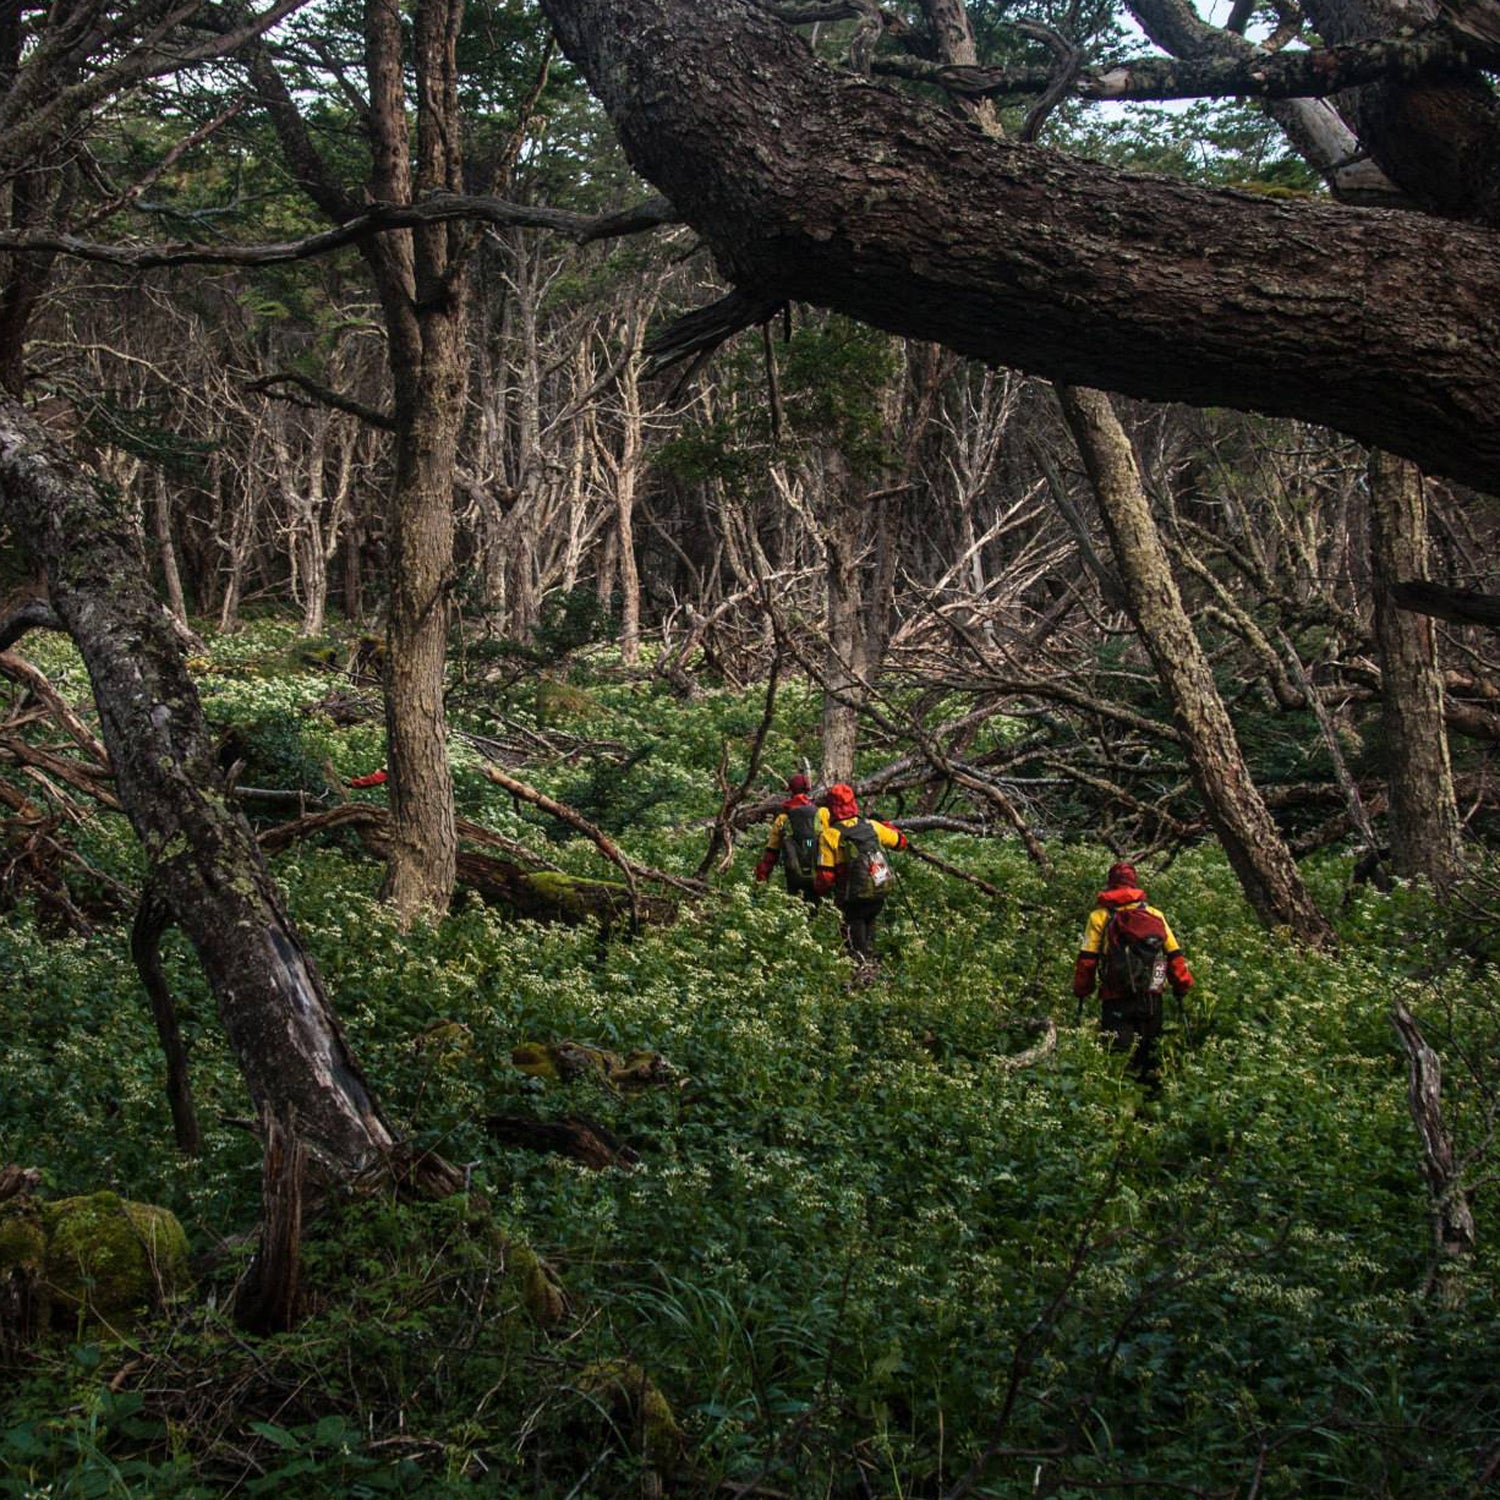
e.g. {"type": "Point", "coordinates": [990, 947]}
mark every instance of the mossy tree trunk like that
{"type": "Point", "coordinates": [203, 859]}
{"type": "Point", "coordinates": [1260, 858]}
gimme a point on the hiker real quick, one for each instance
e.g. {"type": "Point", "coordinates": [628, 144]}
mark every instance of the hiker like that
{"type": "Point", "coordinates": [852, 864]}
{"type": "Point", "coordinates": [1129, 949]}
{"type": "Point", "coordinates": [793, 841]}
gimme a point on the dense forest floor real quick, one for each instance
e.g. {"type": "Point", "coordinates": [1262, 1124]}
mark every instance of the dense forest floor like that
{"type": "Point", "coordinates": [846, 1249]}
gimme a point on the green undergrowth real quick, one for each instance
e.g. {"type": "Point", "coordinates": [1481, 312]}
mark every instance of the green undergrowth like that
{"type": "Point", "coordinates": [857, 1254]}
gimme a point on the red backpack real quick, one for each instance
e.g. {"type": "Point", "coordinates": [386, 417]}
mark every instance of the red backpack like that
{"type": "Point", "coordinates": [1135, 953]}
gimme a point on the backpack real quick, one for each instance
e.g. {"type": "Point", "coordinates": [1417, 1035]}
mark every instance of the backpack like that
{"type": "Point", "coordinates": [1135, 956]}
{"type": "Point", "coordinates": [869, 873]}
{"type": "Point", "coordinates": [799, 847]}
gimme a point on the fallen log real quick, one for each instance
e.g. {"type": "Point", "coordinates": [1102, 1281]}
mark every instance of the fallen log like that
{"type": "Point", "coordinates": [543, 893]}
{"type": "Point", "coordinates": [581, 1140]}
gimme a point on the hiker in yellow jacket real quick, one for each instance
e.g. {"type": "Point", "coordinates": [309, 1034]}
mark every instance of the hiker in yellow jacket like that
{"type": "Point", "coordinates": [1131, 952]}
{"type": "Point", "coordinates": [852, 865]}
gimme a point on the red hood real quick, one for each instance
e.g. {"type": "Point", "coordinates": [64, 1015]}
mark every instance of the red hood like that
{"type": "Point", "coordinates": [1122, 895]}
{"type": "Point", "coordinates": [800, 800]}
{"type": "Point", "coordinates": [841, 803]}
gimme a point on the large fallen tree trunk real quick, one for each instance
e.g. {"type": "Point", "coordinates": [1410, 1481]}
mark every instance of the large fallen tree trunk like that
{"type": "Point", "coordinates": [820, 186]}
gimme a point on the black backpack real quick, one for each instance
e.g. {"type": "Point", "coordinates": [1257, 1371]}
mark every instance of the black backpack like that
{"type": "Point", "coordinates": [869, 874]}
{"type": "Point", "coordinates": [1135, 953]}
{"type": "Point", "coordinates": [799, 847]}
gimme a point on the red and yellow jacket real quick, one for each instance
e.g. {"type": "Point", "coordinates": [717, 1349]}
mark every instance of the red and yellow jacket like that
{"type": "Point", "coordinates": [1086, 970]}
{"type": "Point", "coordinates": [833, 856]}
{"type": "Point", "coordinates": [767, 861]}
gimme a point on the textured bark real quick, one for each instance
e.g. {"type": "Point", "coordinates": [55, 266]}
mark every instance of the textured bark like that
{"type": "Point", "coordinates": [953, 41]}
{"type": "Point", "coordinates": [202, 857]}
{"type": "Point", "coordinates": [1436, 136]}
{"type": "Point", "coordinates": [424, 846]}
{"type": "Point", "coordinates": [1267, 873]}
{"type": "Point", "coordinates": [1453, 1231]}
{"type": "Point", "coordinates": [830, 189]}
{"type": "Point", "coordinates": [1425, 836]}
{"type": "Point", "coordinates": [267, 1300]}
{"type": "Point", "coordinates": [422, 286]}
{"type": "Point", "coordinates": [1313, 126]}
{"type": "Point", "coordinates": [420, 276]}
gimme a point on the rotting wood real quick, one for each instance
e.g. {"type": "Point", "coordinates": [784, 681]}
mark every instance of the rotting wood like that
{"type": "Point", "coordinates": [267, 1299]}
{"type": "Point", "coordinates": [1034, 1054]}
{"type": "Point", "coordinates": [585, 1141]}
{"type": "Point", "coordinates": [1453, 1230]}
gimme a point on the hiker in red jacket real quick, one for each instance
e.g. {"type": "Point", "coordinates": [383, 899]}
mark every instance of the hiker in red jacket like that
{"type": "Point", "coordinates": [1131, 953]}
{"type": "Point", "coordinates": [793, 841]}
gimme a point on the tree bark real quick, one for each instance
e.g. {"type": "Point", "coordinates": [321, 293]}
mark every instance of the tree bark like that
{"type": "Point", "coordinates": [823, 187]}
{"type": "Point", "coordinates": [1437, 135]}
{"type": "Point", "coordinates": [202, 857]}
{"type": "Point", "coordinates": [1266, 870]}
{"type": "Point", "coordinates": [166, 553]}
{"type": "Point", "coordinates": [421, 276]}
{"type": "Point", "coordinates": [1425, 836]}
{"type": "Point", "coordinates": [1453, 1232]}
{"type": "Point", "coordinates": [422, 286]}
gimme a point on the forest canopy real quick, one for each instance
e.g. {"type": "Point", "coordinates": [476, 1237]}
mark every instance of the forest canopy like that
{"type": "Point", "coordinates": [466, 469]}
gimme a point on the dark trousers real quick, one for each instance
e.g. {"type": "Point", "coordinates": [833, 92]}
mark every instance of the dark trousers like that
{"type": "Point", "coordinates": [1134, 1026]}
{"type": "Point", "coordinates": [805, 891]}
{"type": "Point", "coordinates": [859, 927]}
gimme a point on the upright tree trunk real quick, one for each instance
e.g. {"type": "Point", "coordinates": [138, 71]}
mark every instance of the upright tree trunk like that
{"type": "Point", "coordinates": [236, 548]}
{"type": "Point", "coordinates": [842, 690]}
{"type": "Point", "coordinates": [1266, 870]}
{"type": "Point", "coordinates": [627, 474]}
{"type": "Point", "coordinates": [203, 859]}
{"type": "Point", "coordinates": [354, 580]}
{"type": "Point", "coordinates": [424, 839]}
{"type": "Point", "coordinates": [423, 286]}
{"type": "Point", "coordinates": [1425, 836]}
{"type": "Point", "coordinates": [166, 553]}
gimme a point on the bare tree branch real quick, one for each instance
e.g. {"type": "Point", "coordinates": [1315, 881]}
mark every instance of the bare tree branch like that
{"type": "Point", "coordinates": [1258, 75]}
{"type": "Point", "coordinates": [378, 218]}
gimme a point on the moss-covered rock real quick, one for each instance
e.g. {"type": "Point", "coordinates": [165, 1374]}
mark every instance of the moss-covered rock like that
{"type": "Point", "coordinates": [534, 1281]}
{"type": "Point", "coordinates": [561, 1062]}
{"type": "Point", "coordinates": [110, 1258]}
{"type": "Point", "coordinates": [635, 1401]}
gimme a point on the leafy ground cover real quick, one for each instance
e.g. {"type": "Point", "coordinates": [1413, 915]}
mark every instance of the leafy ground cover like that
{"type": "Point", "coordinates": [858, 1255]}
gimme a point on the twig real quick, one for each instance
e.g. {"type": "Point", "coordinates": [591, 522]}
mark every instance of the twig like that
{"type": "Point", "coordinates": [602, 841]}
{"type": "Point", "coordinates": [721, 837]}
